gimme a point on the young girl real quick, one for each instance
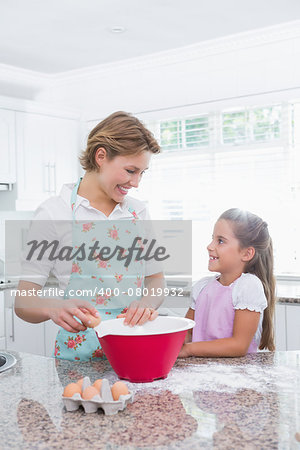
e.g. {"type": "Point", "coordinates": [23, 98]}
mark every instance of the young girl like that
{"type": "Point", "coordinates": [234, 310]}
{"type": "Point", "coordinates": [118, 152]}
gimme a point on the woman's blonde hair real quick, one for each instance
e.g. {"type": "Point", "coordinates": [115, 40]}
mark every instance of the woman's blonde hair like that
{"type": "Point", "coordinates": [120, 134]}
{"type": "Point", "coordinates": [252, 231]}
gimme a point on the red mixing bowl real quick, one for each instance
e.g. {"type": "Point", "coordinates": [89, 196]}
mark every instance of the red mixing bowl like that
{"type": "Point", "coordinates": [143, 353]}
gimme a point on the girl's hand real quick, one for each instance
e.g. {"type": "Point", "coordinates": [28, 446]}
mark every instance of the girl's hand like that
{"type": "Point", "coordinates": [138, 314]}
{"type": "Point", "coordinates": [184, 352]}
{"type": "Point", "coordinates": [63, 315]}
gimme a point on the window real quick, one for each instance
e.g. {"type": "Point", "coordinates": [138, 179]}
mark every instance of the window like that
{"type": "Point", "coordinates": [234, 127]}
{"type": "Point", "coordinates": [247, 158]}
{"type": "Point", "coordinates": [253, 125]}
{"type": "Point", "coordinates": [184, 134]}
{"type": "Point", "coordinates": [171, 135]}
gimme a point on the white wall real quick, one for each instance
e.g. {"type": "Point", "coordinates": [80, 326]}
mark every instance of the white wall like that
{"type": "Point", "coordinates": [224, 70]}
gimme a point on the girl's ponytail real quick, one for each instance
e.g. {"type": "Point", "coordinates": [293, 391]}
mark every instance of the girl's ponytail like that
{"type": "Point", "coordinates": [252, 231]}
{"type": "Point", "coordinates": [263, 269]}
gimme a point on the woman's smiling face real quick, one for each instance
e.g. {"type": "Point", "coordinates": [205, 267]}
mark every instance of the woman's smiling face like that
{"type": "Point", "coordinates": [225, 254]}
{"type": "Point", "coordinates": [118, 175]}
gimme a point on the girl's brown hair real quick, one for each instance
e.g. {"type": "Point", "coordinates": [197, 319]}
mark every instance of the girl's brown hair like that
{"type": "Point", "coordinates": [252, 231]}
{"type": "Point", "coordinates": [120, 134]}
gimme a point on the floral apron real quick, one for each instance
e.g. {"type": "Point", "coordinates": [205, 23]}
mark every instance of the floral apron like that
{"type": "Point", "coordinates": [108, 285]}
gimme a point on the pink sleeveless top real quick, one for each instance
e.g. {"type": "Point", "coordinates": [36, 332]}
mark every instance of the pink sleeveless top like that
{"type": "Point", "coordinates": [214, 314]}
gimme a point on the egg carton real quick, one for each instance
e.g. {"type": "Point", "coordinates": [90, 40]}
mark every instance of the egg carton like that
{"type": "Point", "coordinates": [103, 400]}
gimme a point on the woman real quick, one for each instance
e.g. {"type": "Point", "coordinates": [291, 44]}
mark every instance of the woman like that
{"type": "Point", "coordinates": [118, 152]}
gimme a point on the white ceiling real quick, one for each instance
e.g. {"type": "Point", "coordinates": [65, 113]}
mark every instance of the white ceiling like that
{"type": "Point", "coordinates": [61, 35]}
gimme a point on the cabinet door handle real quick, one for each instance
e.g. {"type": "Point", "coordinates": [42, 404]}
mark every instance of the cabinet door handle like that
{"type": "Point", "coordinates": [11, 332]}
{"type": "Point", "coordinates": [49, 181]}
{"type": "Point", "coordinates": [46, 177]}
{"type": "Point", "coordinates": [54, 178]}
{"type": "Point", "coordinates": [13, 324]}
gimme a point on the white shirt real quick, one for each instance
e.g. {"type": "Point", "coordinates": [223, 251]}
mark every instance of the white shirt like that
{"type": "Point", "coordinates": [53, 219]}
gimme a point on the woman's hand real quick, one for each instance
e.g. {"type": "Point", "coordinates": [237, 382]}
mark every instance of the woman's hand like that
{"type": "Point", "coordinates": [138, 314]}
{"type": "Point", "coordinates": [140, 311]}
{"type": "Point", "coordinates": [63, 315]}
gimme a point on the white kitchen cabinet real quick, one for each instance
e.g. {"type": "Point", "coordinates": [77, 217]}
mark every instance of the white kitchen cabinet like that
{"type": "Point", "coordinates": [280, 327]}
{"type": "Point", "coordinates": [7, 147]}
{"type": "Point", "coordinates": [51, 330]}
{"type": "Point", "coordinates": [22, 336]}
{"type": "Point", "coordinates": [2, 343]}
{"type": "Point", "coordinates": [287, 327]}
{"type": "Point", "coordinates": [293, 327]}
{"type": "Point", "coordinates": [2, 325]}
{"type": "Point", "coordinates": [67, 149]}
{"type": "Point", "coordinates": [47, 149]}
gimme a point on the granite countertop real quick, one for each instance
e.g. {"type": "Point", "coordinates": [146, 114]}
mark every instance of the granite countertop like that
{"type": "Point", "coordinates": [249, 402]}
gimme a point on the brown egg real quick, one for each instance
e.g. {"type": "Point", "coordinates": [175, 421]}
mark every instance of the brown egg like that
{"type": "Point", "coordinates": [97, 384]}
{"type": "Point", "coordinates": [94, 320]}
{"type": "Point", "coordinates": [79, 382]}
{"type": "Point", "coordinates": [89, 393]}
{"type": "Point", "coordinates": [119, 388]}
{"type": "Point", "coordinates": [71, 389]}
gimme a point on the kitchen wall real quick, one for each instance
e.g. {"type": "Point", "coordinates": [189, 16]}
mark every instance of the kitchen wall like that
{"type": "Point", "coordinates": [257, 67]}
{"type": "Point", "coordinates": [223, 72]}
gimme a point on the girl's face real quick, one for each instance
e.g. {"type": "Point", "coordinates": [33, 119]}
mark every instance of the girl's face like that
{"type": "Point", "coordinates": [119, 175]}
{"type": "Point", "coordinates": [225, 254]}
